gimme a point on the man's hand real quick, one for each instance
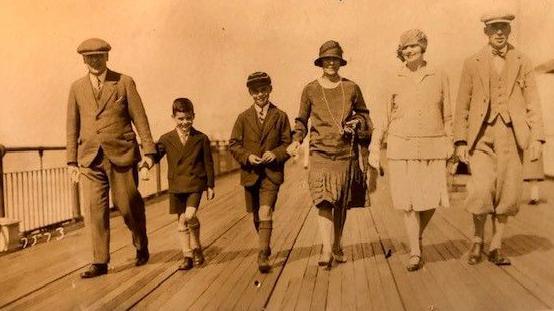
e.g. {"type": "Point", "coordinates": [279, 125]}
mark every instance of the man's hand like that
{"type": "Point", "coordinates": [292, 149]}
{"type": "Point", "coordinates": [535, 150]}
{"type": "Point", "coordinates": [210, 193]}
{"type": "Point", "coordinates": [268, 157]}
{"type": "Point", "coordinates": [462, 153]}
{"type": "Point", "coordinates": [74, 173]}
{"type": "Point", "coordinates": [254, 159]}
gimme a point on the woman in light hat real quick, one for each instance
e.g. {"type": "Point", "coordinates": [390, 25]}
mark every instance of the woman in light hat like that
{"type": "Point", "coordinates": [417, 117]}
{"type": "Point", "coordinates": [336, 108]}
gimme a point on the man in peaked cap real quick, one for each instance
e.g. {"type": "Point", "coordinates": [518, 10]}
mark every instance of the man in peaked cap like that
{"type": "Point", "coordinates": [497, 117]}
{"type": "Point", "coordinates": [102, 151]}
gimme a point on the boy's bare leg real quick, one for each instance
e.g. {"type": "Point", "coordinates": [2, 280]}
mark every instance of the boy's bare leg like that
{"type": "Point", "coordinates": [194, 226]}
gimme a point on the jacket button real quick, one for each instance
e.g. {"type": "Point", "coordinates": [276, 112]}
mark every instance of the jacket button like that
{"type": "Point", "coordinates": [98, 132]}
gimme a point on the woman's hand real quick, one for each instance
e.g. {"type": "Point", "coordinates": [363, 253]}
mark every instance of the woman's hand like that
{"type": "Point", "coordinates": [350, 126]}
{"type": "Point", "coordinates": [292, 149]}
{"type": "Point", "coordinates": [462, 153]}
{"type": "Point", "coordinates": [210, 193]}
{"type": "Point", "coordinates": [375, 159]}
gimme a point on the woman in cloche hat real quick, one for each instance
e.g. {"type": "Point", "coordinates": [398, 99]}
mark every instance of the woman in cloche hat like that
{"type": "Point", "coordinates": [417, 117]}
{"type": "Point", "coordinates": [336, 108]}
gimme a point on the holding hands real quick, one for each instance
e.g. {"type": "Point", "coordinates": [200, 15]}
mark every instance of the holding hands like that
{"type": "Point", "coordinates": [144, 167]}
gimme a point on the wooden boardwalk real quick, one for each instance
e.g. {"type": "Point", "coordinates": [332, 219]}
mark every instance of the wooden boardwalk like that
{"type": "Point", "coordinates": [46, 277]}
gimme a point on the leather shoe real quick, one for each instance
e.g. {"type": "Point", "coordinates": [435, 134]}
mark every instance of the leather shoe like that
{"type": "Point", "coordinates": [186, 264]}
{"type": "Point", "coordinates": [475, 254]}
{"type": "Point", "coordinates": [94, 270]}
{"type": "Point", "coordinates": [326, 260]}
{"type": "Point", "coordinates": [338, 255]}
{"type": "Point", "coordinates": [197, 256]}
{"type": "Point", "coordinates": [142, 257]}
{"type": "Point", "coordinates": [263, 261]}
{"type": "Point", "coordinates": [496, 258]}
{"type": "Point", "coordinates": [415, 263]}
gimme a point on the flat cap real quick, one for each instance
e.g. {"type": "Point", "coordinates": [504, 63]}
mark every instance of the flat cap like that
{"type": "Point", "coordinates": [258, 79]}
{"type": "Point", "coordinates": [93, 46]}
{"type": "Point", "coordinates": [497, 17]}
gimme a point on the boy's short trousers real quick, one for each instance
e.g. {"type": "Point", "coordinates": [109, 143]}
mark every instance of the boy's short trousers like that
{"type": "Point", "coordinates": [178, 202]}
{"type": "Point", "coordinates": [264, 192]}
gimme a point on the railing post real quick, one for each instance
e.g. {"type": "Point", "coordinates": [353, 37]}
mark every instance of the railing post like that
{"type": "Point", "coordinates": [158, 179]}
{"type": "Point", "coordinates": [2, 206]}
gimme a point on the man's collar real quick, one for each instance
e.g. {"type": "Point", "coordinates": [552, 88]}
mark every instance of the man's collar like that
{"type": "Point", "coordinates": [101, 76]}
{"type": "Point", "coordinates": [503, 50]}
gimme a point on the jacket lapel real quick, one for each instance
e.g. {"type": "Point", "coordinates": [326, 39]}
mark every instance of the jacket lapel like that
{"type": "Point", "coordinates": [269, 120]}
{"type": "Point", "coordinates": [484, 68]}
{"type": "Point", "coordinates": [513, 64]}
{"type": "Point", "coordinates": [252, 118]}
{"type": "Point", "coordinates": [86, 87]}
{"type": "Point", "coordinates": [108, 89]}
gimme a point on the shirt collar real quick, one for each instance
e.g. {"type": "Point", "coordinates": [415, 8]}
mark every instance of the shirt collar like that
{"type": "Point", "coordinates": [263, 110]}
{"type": "Point", "coordinates": [182, 133]}
{"type": "Point", "coordinates": [94, 78]}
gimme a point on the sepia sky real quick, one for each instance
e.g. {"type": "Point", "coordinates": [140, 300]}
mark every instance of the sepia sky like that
{"type": "Point", "coordinates": [204, 50]}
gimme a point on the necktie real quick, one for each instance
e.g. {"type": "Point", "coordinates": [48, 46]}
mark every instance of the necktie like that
{"type": "Point", "coordinates": [99, 87]}
{"type": "Point", "coordinates": [498, 53]}
{"type": "Point", "coordinates": [261, 116]}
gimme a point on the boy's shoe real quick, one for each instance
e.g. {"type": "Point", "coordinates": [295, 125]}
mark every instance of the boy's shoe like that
{"type": "Point", "coordinates": [198, 256]}
{"type": "Point", "coordinates": [263, 261]}
{"type": "Point", "coordinates": [186, 264]}
{"type": "Point", "coordinates": [475, 254]}
{"type": "Point", "coordinates": [142, 257]}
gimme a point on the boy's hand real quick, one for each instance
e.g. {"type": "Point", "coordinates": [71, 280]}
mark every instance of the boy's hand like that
{"type": "Point", "coordinates": [292, 149]}
{"type": "Point", "coordinates": [210, 193]}
{"type": "Point", "coordinates": [268, 157]}
{"type": "Point", "coordinates": [144, 173]}
{"type": "Point", "coordinates": [74, 173]}
{"type": "Point", "coordinates": [254, 159]}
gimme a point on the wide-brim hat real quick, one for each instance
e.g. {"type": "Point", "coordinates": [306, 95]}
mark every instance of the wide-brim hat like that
{"type": "Point", "coordinates": [93, 46]}
{"type": "Point", "coordinates": [330, 49]}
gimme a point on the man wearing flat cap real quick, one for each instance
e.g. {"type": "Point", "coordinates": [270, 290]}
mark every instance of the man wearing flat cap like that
{"type": "Point", "coordinates": [498, 116]}
{"type": "Point", "coordinates": [102, 151]}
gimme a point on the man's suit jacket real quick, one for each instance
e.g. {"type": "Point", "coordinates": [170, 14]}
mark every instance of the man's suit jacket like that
{"type": "Point", "coordinates": [251, 137]}
{"type": "Point", "coordinates": [474, 98]}
{"type": "Point", "coordinates": [106, 122]}
{"type": "Point", "coordinates": [190, 167]}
